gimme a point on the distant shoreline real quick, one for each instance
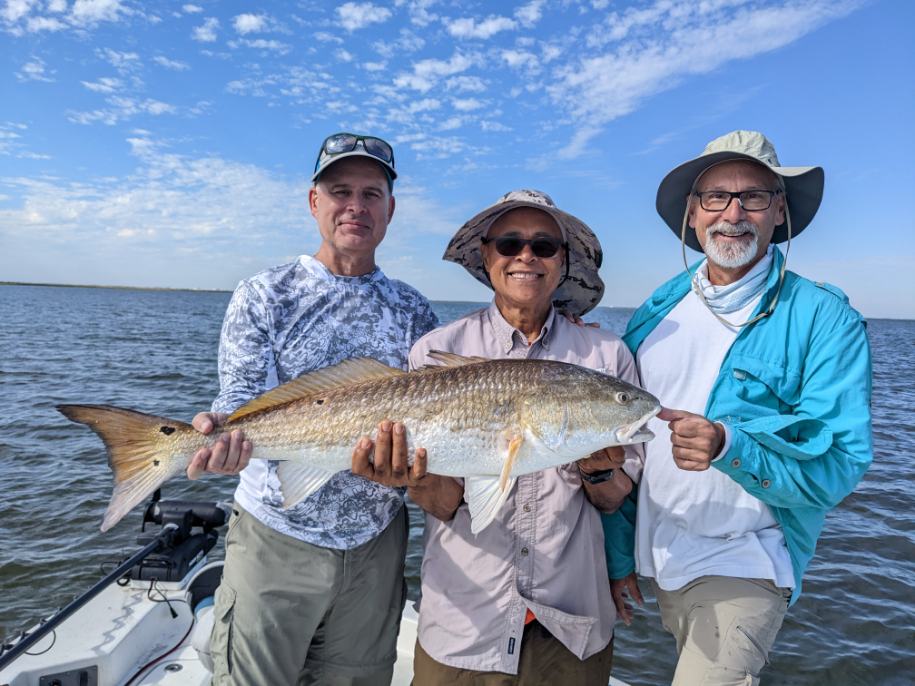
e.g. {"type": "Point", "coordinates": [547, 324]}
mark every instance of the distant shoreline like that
{"type": "Point", "coordinates": [221, 290]}
{"type": "Point", "coordinates": [121, 288]}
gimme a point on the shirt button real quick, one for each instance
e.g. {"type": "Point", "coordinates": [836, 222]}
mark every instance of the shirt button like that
{"type": "Point", "coordinates": [765, 483]}
{"type": "Point", "coordinates": [735, 463]}
{"type": "Point", "coordinates": [524, 551]}
{"type": "Point", "coordinates": [526, 508]}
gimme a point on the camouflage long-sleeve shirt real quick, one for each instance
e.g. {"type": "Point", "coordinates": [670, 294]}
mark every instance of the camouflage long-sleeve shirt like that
{"type": "Point", "coordinates": [296, 318]}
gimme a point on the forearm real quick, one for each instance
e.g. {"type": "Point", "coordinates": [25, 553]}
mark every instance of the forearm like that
{"type": "Point", "coordinates": [440, 496]}
{"type": "Point", "coordinates": [609, 495]}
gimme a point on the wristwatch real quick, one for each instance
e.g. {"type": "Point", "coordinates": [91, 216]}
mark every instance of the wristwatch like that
{"type": "Point", "coordinates": [597, 477]}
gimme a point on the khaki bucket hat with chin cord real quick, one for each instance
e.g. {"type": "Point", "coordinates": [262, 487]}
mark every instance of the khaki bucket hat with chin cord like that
{"type": "Point", "coordinates": [803, 185]}
{"type": "Point", "coordinates": [581, 288]}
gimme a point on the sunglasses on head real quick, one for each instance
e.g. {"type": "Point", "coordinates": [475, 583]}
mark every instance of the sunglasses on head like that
{"type": "Point", "coordinates": [340, 143]}
{"type": "Point", "coordinates": [512, 246]}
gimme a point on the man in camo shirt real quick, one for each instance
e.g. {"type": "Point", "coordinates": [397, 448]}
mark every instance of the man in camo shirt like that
{"type": "Point", "coordinates": [314, 594]}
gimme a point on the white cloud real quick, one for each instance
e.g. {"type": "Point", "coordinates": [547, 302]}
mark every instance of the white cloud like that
{"type": "Point", "coordinates": [466, 84]}
{"type": "Point", "coordinates": [174, 65]}
{"type": "Point", "coordinates": [93, 11]}
{"type": "Point", "coordinates": [122, 61]}
{"type": "Point", "coordinates": [601, 87]}
{"type": "Point", "coordinates": [261, 44]}
{"type": "Point", "coordinates": [427, 73]}
{"type": "Point", "coordinates": [419, 11]}
{"type": "Point", "coordinates": [375, 66]}
{"type": "Point", "coordinates": [192, 9]}
{"type": "Point", "coordinates": [326, 37]}
{"type": "Point", "coordinates": [530, 13]}
{"type": "Point", "coordinates": [358, 15]}
{"type": "Point", "coordinates": [249, 23]}
{"type": "Point", "coordinates": [14, 10]}
{"type": "Point", "coordinates": [466, 104]}
{"type": "Point", "coordinates": [520, 59]}
{"type": "Point", "coordinates": [34, 70]}
{"type": "Point", "coordinates": [470, 28]}
{"type": "Point", "coordinates": [39, 24]}
{"type": "Point", "coordinates": [206, 32]}
{"type": "Point", "coordinates": [105, 84]}
{"type": "Point", "coordinates": [344, 55]}
{"type": "Point", "coordinates": [122, 108]}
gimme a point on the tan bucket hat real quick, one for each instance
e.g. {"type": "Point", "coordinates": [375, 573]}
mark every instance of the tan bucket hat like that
{"type": "Point", "coordinates": [580, 290]}
{"type": "Point", "coordinates": [803, 185]}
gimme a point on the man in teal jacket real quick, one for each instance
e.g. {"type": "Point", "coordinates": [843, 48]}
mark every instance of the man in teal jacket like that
{"type": "Point", "coordinates": [765, 378]}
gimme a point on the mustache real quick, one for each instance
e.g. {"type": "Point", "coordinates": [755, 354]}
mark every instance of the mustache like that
{"type": "Point", "coordinates": [728, 229]}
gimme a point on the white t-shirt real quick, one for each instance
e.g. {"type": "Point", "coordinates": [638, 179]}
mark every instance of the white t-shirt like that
{"type": "Point", "coordinates": [693, 524]}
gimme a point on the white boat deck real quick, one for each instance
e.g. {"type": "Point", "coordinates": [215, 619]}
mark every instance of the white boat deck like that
{"type": "Point", "coordinates": [122, 637]}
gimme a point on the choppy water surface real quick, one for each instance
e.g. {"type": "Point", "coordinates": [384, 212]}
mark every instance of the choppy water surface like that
{"type": "Point", "coordinates": [155, 351]}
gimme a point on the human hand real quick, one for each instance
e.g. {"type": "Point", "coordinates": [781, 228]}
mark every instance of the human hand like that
{"type": "Point", "coordinates": [620, 589]}
{"type": "Point", "coordinates": [389, 465]}
{"type": "Point", "coordinates": [696, 441]}
{"type": "Point", "coordinates": [228, 455]}
{"type": "Point", "coordinates": [608, 458]}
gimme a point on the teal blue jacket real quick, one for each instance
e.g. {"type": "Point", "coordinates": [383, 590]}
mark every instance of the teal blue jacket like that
{"type": "Point", "coordinates": [794, 389]}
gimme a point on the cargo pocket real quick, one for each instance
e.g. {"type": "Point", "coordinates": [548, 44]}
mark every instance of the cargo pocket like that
{"type": "Point", "coordinates": [221, 639]}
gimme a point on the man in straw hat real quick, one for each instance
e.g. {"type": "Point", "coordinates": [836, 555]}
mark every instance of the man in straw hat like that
{"type": "Point", "coordinates": [770, 376]}
{"type": "Point", "coordinates": [526, 596]}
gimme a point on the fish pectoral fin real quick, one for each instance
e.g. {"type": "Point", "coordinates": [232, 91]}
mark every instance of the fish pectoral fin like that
{"type": "Point", "coordinates": [298, 481]}
{"type": "Point", "coordinates": [485, 495]}
{"type": "Point", "coordinates": [347, 373]}
{"type": "Point", "coordinates": [514, 445]}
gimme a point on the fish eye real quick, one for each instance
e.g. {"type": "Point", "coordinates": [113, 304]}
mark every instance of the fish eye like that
{"type": "Point", "coordinates": [622, 397]}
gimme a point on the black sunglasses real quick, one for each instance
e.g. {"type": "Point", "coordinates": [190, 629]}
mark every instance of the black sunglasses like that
{"type": "Point", "coordinates": [340, 143]}
{"type": "Point", "coordinates": [511, 246]}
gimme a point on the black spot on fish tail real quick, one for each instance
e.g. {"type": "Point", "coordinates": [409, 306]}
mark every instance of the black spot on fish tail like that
{"type": "Point", "coordinates": [319, 401]}
{"type": "Point", "coordinates": [155, 463]}
{"type": "Point", "coordinates": [167, 430]}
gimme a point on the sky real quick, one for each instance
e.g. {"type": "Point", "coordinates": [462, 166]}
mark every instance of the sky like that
{"type": "Point", "coordinates": [171, 144]}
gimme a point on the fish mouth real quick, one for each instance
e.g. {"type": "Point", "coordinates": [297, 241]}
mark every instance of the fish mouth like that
{"type": "Point", "coordinates": [636, 432]}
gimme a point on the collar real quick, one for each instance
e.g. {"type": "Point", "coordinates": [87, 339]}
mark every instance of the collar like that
{"type": "Point", "coordinates": [504, 332]}
{"type": "Point", "coordinates": [319, 270]}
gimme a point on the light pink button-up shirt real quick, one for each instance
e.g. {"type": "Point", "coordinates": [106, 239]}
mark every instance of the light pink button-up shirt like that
{"type": "Point", "coordinates": [545, 549]}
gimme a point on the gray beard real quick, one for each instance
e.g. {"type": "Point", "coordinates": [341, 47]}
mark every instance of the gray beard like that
{"type": "Point", "coordinates": [731, 255]}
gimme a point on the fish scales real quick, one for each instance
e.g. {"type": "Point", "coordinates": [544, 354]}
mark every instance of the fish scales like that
{"type": "Point", "coordinates": [493, 419]}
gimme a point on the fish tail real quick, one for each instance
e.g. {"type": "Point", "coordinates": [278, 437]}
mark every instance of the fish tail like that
{"type": "Point", "coordinates": [144, 451]}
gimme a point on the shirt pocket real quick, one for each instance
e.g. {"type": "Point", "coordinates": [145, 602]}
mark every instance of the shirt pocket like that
{"type": "Point", "coordinates": [765, 383]}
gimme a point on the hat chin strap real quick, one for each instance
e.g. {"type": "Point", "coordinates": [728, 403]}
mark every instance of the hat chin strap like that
{"type": "Point", "coordinates": [698, 291]}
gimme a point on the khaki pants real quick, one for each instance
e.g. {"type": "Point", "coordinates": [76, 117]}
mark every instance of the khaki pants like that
{"type": "Point", "coordinates": [544, 661]}
{"type": "Point", "coordinates": [724, 628]}
{"type": "Point", "coordinates": [288, 612]}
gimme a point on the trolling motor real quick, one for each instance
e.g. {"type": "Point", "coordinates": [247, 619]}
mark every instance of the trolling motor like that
{"type": "Point", "coordinates": [168, 554]}
{"type": "Point", "coordinates": [193, 536]}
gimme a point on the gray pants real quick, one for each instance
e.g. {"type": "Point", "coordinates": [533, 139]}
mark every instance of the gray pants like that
{"type": "Point", "coordinates": [288, 612]}
{"type": "Point", "coordinates": [724, 628]}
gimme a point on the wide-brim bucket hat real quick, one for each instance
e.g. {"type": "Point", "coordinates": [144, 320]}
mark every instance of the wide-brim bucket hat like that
{"type": "Point", "coordinates": [803, 185]}
{"type": "Point", "coordinates": [580, 290]}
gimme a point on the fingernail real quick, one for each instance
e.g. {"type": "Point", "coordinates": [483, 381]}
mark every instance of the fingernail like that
{"type": "Point", "coordinates": [398, 429]}
{"type": "Point", "coordinates": [364, 443]}
{"type": "Point", "coordinates": [385, 426]}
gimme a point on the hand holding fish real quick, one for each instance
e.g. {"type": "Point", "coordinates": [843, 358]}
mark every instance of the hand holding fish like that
{"type": "Point", "coordinates": [229, 455]}
{"type": "Point", "coordinates": [388, 465]}
{"type": "Point", "coordinates": [440, 496]}
{"type": "Point", "coordinates": [695, 440]}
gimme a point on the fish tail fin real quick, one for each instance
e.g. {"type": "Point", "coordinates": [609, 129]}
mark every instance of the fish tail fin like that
{"type": "Point", "coordinates": [144, 451]}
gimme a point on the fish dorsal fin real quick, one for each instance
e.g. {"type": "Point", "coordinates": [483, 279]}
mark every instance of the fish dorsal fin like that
{"type": "Point", "coordinates": [453, 359]}
{"type": "Point", "coordinates": [347, 373]}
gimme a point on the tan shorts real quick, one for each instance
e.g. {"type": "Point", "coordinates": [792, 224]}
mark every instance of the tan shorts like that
{"type": "Point", "coordinates": [288, 612]}
{"type": "Point", "coordinates": [544, 661]}
{"type": "Point", "coordinates": [724, 628]}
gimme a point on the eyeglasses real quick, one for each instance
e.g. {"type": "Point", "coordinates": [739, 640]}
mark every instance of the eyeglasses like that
{"type": "Point", "coordinates": [511, 246]}
{"type": "Point", "coordinates": [340, 143]}
{"type": "Point", "coordinates": [751, 201]}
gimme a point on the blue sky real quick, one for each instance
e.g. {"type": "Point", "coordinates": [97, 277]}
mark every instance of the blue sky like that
{"type": "Point", "coordinates": [170, 144]}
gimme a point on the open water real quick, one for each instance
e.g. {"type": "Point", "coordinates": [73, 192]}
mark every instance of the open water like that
{"type": "Point", "coordinates": [155, 351]}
